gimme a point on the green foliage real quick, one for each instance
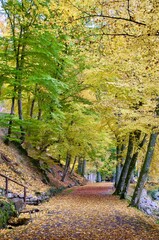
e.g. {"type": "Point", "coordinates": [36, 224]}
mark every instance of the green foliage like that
{"type": "Point", "coordinates": [7, 210]}
{"type": "Point", "coordinates": [78, 80]}
{"type": "Point", "coordinates": [107, 170]}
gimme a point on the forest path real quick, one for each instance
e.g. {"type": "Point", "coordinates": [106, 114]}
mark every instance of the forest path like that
{"type": "Point", "coordinates": [90, 212]}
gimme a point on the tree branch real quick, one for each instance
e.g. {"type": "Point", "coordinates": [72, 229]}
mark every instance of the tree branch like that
{"type": "Point", "coordinates": [130, 19]}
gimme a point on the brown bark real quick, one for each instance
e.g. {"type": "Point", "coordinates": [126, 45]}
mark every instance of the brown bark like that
{"type": "Point", "coordinates": [131, 168]}
{"type": "Point", "coordinates": [66, 168]}
{"type": "Point", "coordinates": [144, 171]}
{"type": "Point", "coordinates": [124, 172]}
{"type": "Point", "coordinates": [73, 166]}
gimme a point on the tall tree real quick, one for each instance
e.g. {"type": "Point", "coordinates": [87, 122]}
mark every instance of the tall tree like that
{"type": "Point", "coordinates": [132, 166]}
{"type": "Point", "coordinates": [144, 170]}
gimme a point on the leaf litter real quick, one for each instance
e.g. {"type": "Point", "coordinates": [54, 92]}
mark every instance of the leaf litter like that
{"type": "Point", "coordinates": [89, 212]}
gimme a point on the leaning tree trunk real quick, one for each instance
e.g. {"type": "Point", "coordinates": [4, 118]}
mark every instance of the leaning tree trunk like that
{"type": "Point", "coordinates": [119, 165]}
{"type": "Point", "coordinates": [144, 171]}
{"type": "Point", "coordinates": [67, 165]}
{"type": "Point", "coordinates": [124, 172]}
{"type": "Point", "coordinates": [32, 108]}
{"type": "Point", "coordinates": [73, 166]}
{"type": "Point", "coordinates": [131, 169]}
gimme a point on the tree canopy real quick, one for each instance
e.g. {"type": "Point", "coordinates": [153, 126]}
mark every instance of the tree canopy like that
{"type": "Point", "coordinates": [79, 78]}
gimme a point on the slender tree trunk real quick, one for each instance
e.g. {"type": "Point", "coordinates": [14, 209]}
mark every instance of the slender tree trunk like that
{"type": "Point", "coordinates": [32, 108]}
{"type": "Point", "coordinates": [19, 67]}
{"type": "Point", "coordinates": [73, 166]}
{"type": "Point", "coordinates": [80, 162]}
{"type": "Point", "coordinates": [83, 167]}
{"type": "Point", "coordinates": [144, 171]}
{"type": "Point", "coordinates": [33, 102]}
{"type": "Point", "coordinates": [124, 172]}
{"type": "Point", "coordinates": [67, 165]}
{"type": "Point", "coordinates": [11, 121]}
{"type": "Point", "coordinates": [20, 113]}
{"type": "Point", "coordinates": [131, 169]}
{"type": "Point", "coordinates": [98, 177]}
{"type": "Point", "coordinates": [39, 114]}
{"type": "Point", "coordinates": [119, 164]}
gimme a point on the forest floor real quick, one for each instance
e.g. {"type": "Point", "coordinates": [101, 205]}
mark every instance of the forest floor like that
{"type": "Point", "coordinates": [89, 212]}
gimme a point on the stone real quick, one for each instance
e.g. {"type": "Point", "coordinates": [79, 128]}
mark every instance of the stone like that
{"type": "Point", "coordinates": [30, 196]}
{"type": "Point", "coordinates": [148, 211]}
{"type": "Point", "coordinates": [19, 204]}
{"type": "Point", "coordinates": [21, 195]}
{"type": "Point", "coordinates": [10, 195]}
{"type": "Point", "coordinates": [144, 193]}
{"type": "Point", "coordinates": [156, 196]}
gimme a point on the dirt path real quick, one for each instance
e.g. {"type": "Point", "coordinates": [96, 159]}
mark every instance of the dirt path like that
{"type": "Point", "coordinates": [86, 213]}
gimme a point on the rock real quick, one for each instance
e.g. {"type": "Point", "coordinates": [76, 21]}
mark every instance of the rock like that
{"type": "Point", "coordinates": [144, 193]}
{"type": "Point", "coordinates": [19, 204]}
{"type": "Point", "coordinates": [31, 199]}
{"type": "Point", "coordinates": [18, 221]}
{"type": "Point", "coordinates": [148, 211]}
{"type": "Point", "coordinates": [10, 195]}
{"type": "Point", "coordinates": [156, 196]}
{"type": "Point", "coordinates": [30, 196]}
{"type": "Point", "coordinates": [147, 204]}
{"type": "Point", "coordinates": [21, 195]}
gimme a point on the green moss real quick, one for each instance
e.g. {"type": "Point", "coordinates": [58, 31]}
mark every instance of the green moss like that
{"type": "Point", "coordinates": [7, 210]}
{"type": "Point", "coordinates": [69, 190]}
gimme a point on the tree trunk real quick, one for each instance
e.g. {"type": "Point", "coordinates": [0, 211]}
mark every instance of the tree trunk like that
{"type": "Point", "coordinates": [67, 165]}
{"type": "Point", "coordinates": [98, 177]}
{"type": "Point", "coordinates": [80, 164]}
{"type": "Point", "coordinates": [39, 114]}
{"type": "Point", "coordinates": [20, 113]}
{"type": "Point", "coordinates": [83, 167]}
{"type": "Point", "coordinates": [73, 166]}
{"type": "Point", "coordinates": [124, 172]}
{"type": "Point", "coordinates": [144, 171]}
{"type": "Point", "coordinates": [11, 121]}
{"type": "Point", "coordinates": [32, 108]}
{"type": "Point", "coordinates": [19, 68]}
{"type": "Point", "coordinates": [33, 102]}
{"type": "Point", "coordinates": [120, 161]}
{"type": "Point", "coordinates": [131, 169]}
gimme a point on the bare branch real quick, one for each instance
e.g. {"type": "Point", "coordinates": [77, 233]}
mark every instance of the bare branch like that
{"type": "Point", "coordinates": [87, 14]}
{"type": "Point", "coordinates": [130, 17]}
{"type": "Point", "coordinates": [110, 17]}
{"type": "Point", "coordinates": [115, 34]}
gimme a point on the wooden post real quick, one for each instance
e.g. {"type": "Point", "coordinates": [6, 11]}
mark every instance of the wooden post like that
{"type": "Point", "coordinates": [6, 187]}
{"type": "Point", "coordinates": [25, 195]}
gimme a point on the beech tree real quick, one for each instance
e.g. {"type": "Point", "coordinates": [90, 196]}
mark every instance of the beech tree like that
{"type": "Point", "coordinates": [60, 57]}
{"type": "Point", "coordinates": [131, 168]}
{"type": "Point", "coordinates": [31, 55]}
{"type": "Point", "coordinates": [144, 170]}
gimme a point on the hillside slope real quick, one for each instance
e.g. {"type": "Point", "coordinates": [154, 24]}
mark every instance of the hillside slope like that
{"type": "Point", "coordinates": [30, 172]}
